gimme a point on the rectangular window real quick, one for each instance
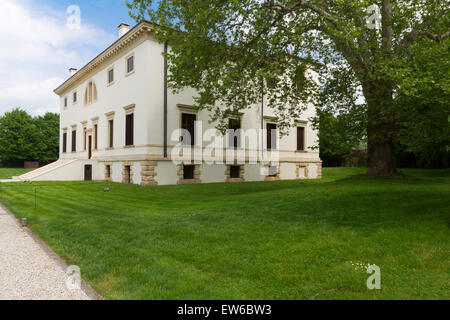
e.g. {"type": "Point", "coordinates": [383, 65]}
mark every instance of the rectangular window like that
{"type": "Point", "coordinates": [130, 64]}
{"type": "Point", "coordinates": [64, 142]}
{"type": "Point", "coordinates": [111, 76]}
{"type": "Point", "coordinates": [271, 136]}
{"type": "Point", "coordinates": [74, 140]}
{"type": "Point", "coordinates": [300, 138]}
{"type": "Point", "coordinates": [84, 138]}
{"type": "Point", "coordinates": [273, 171]}
{"type": "Point", "coordinates": [111, 133]}
{"type": "Point", "coordinates": [127, 177]}
{"type": "Point", "coordinates": [129, 130]}
{"type": "Point", "coordinates": [108, 171]}
{"type": "Point", "coordinates": [188, 172]}
{"type": "Point", "coordinates": [234, 133]}
{"type": "Point", "coordinates": [95, 136]}
{"type": "Point", "coordinates": [235, 172]}
{"type": "Point", "coordinates": [75, 97]}
{"type": "Point", "coordinates": [65, 102]}
{"type": "Point", "coordinates": [188, 124]}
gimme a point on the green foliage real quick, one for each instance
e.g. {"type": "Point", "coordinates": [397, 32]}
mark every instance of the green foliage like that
{"type": "Point", "coordinates": [226, 48]}
{"type": "Point", "coordinates": [24, 138]}
{"type": "Point", "coordinates": [340, 134]}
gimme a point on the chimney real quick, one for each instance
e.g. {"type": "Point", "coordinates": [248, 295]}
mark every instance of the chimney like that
{"type": "Point", "coordinates": [123, 28]}
{"type": "Point", "coordinates": [72, 71]}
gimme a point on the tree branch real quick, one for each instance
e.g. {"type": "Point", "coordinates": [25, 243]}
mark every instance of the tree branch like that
{"type": "Point", "coordinates": [414, 34]}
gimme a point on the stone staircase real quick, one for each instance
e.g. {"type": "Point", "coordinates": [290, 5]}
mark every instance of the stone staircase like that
{"type": "Point", "coordinates": [30, 176]}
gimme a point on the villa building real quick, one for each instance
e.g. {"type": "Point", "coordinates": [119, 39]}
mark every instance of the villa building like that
{"type": "Point", "coordinates": [119, 123]}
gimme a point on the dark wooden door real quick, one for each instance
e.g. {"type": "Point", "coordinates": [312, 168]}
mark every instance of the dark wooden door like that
{"type": "Point", "coordinates": [88, 172]}
{"type": "Point", "coordinates": [90, 147]}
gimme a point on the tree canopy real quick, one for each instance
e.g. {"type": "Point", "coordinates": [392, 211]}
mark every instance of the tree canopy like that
{"type": "Point", "coordinates": [24, 138]}
{"type": "Point", "coordinates": [225, 48]}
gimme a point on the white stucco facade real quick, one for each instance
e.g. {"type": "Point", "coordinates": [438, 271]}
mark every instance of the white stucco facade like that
{"type": "Point", "coordinates": [140, 93]}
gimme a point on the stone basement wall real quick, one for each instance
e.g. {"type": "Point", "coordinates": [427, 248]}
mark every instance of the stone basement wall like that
{"type": "Point", "coordinates": [148, 173]}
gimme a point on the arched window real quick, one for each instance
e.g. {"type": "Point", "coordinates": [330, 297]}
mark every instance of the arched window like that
{"type": "Point", "coordinates": [90, 95]}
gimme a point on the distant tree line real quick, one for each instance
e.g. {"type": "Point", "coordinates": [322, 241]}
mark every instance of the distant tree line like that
{"type": "Point", "coordinates": [27, 138]}
{"type": "Point", "coordinates": [424, 140]}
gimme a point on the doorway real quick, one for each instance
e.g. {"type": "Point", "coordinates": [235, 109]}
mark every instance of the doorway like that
{"type": "Point", "coordinates": [88, 172]}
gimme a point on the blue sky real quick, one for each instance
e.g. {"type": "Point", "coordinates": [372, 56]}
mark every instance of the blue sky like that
{"type": "Point", "coordinates": [37, 47]}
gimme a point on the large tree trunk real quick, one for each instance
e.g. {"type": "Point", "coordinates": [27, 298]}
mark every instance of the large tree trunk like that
{"type": "Point", "coordinates": [381, 129]}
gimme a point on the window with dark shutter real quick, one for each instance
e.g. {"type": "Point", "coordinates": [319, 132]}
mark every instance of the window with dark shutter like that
{"type": "Point", "coordinates": [271, 136]}
{"type": "Point", "coordinates": [188, 172]}
{"type": "Point", "coordinates": [108, 171]}
{"type": "Point", "coordinates": [188, 124]}
{"type": "Point", "coordinates": [74, 140]}
{"type": "Point", "coordinates": [234, 133]}
{"type": "Point", "coordinates": [235, 172]}
{"type": "Point", "coordinates": [300, 138]}
{"type": "Point", "coordinates": [65, 142]}
{"type": "Point", "coordinates": [129, 130]}
{"type": "Point", "coordinates": [111, 133]}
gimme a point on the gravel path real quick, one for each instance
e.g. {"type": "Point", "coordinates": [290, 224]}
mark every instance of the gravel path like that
{"type": "Point", "coordinates": [27, 272]}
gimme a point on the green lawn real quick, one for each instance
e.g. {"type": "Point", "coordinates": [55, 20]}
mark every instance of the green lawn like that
{"type": "Point", "coordinates": [8, 173]}
{"type": "Point", "coordinates": [275, 240]}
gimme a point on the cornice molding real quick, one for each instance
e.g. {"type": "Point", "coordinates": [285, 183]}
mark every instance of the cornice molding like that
{"type": "Point", "coordinates": [116, 48]}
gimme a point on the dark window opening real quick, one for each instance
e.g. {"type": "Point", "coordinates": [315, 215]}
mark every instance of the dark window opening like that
{"type": "Point", "coordinates": [188, 172]}
{"type": "Point", "coordinates": [271, 83]}
{"type": "Point", "coordinates": [111, 133]}
{"type": "Point", "coordinates": [271, 136]}
{"type": "Point", "coordinates": [127, 174]}
{"type": "Point", "coordinates": [84, 138]}
{"type": "Point", "coordinates": [65, 142]}
{"type": "Point", "coordinates": [273, 171]}
{"type": "Point", "coordinates": [130, 64]}
{"type": "Point", "coordinates": [74, 140]}
{"type": "Point", "coordinates": [129, 130]}
{"type": "Point", "coordinates": [108, 171]}
{"type": "Point", "coordinates": [235, 172]}
{"type": "Point", "coordinates": [95, 136]}
{"type": "Point", "coordinates": [188, 124]}
{"type": "Point", "coordinates": [65, 102]}
{"type": "Point", "coordinates": [300, 138]}
{"type": "Point", "coordinates": [234, 130]}
{"type": "Point", "coordinates": [75, 97]}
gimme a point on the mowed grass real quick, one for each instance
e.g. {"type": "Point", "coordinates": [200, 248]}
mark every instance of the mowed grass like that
{"type": "Point", "coordinates": [8, 173]}
{"type": "Point", "coordinates": [266, 240]}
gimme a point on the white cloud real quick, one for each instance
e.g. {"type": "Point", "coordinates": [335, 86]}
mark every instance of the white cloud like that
{"type": "Point", "coordinates": [36, 51]}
